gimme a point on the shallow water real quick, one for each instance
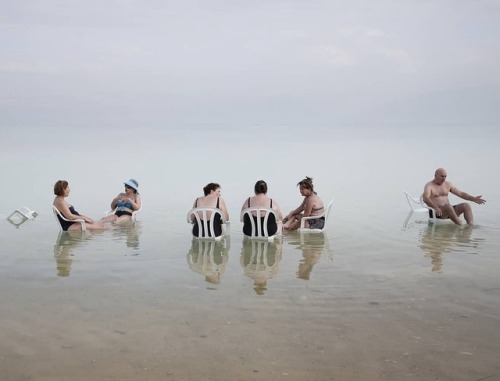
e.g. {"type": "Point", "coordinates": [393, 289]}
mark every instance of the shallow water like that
{"type": "Point", "coordinates": [378, 296]}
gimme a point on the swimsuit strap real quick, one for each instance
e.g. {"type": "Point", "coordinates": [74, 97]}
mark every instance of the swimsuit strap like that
{"type": "Point", "coordinates": [217, 206]}
{"type": "Point", "coordinates": [249, 202]}
{"type": "Point", "coordinates": [196, 203]}
{"type": "Point", "coordinates": [271, 203]}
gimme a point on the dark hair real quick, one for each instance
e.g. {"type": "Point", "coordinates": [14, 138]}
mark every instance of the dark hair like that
{"type": "Point", "coordinates": [260, 187]}
{"type": "Point", "coordinates": [307, 183]}
{"type": "Point", "coordinates": [59, 187]}
{"type": "Point", "coordinates": [210, 187]}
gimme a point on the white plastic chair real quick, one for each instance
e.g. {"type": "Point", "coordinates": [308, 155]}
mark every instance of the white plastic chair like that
{"type": "Point", "coordinates": [58, 213]}
{"type": "Point", "coordinates": [419, 206]}
{"type": "Point", "coordinates": [259, 231]}
{"type": "Point", "coordinates": [326, 213]}
{"type": "Point", "coordinates": [20, 216]}
{"type": "Point", "coordinates": [202, 220]}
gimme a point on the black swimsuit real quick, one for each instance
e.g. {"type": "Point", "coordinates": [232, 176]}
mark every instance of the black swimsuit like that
{"type": "Point", "coordinates": [217, 225]}
{"type": "Point", "coordinates": [272, 226]}
{"type": "Point", "coordinates": [66, 224]}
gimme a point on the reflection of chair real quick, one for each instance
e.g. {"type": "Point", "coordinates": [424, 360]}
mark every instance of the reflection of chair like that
{"type": "Point", "coordinates": [205, 218]}
{"type": "Point", "coordinates": [258, 218]}
{"type": "Point", "coordinates": [326, 213]}
{"type": "Point", "coordinates": [208, 257]}
{"type": "Point", "coordinates": [58, 216]}
{"type": "Point", "coordinates": [260, 261]}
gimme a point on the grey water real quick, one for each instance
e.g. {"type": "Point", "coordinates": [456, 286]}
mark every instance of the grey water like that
{"type": "Point", "coordinates": [404, 294]}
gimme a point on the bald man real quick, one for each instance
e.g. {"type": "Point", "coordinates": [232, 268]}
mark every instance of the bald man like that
{"type": "Point", "coordinates": [436, 196]}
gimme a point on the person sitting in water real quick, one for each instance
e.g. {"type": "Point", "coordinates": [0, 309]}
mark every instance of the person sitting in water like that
{"type": "Point", "coordinates": [261, 200]}
{"type": "Point", "coordinates": [61, 190]}
{"type": "Point", "coordinates": [436, 196]}
{"type": "Point", "coordinates": [212, 199]}
{"type": "Point", "coordinates": [125, 203]}
{"type": "Point", "coordinates": [311, 206]}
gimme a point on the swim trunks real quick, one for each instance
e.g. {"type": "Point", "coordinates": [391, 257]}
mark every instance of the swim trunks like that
{"type": "Point", "coordinates": [316, 223]}
{"type": "Point", "coordinates": [431, 214]}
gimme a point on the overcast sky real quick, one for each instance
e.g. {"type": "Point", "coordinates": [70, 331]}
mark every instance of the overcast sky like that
{"type": "Point", "coordinates": [127, 62]}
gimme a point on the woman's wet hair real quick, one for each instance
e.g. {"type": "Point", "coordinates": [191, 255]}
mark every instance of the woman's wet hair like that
{"type": "Point", "coordinates": [210, 187]}
{"type": "Point", "coordinates": [59, 187]}
{"type": "Point", "coordinates": [260, 187]}
{"type": "Point", "coordinates": [306, 183]}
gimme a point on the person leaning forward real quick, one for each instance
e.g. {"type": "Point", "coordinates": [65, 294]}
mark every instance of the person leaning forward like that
{"type": "Point", "coordinates": [436, 196]}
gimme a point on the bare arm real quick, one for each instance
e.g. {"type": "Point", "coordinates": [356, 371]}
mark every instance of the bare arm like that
{"type": "Point", "coordinates": [115, 200]}
{"type": "Point", "coordinates": [308, 207]}
{"type": "Point", "coordinates": [477, 199]}
{"type": "Point", "coordinates": [64, 209]}
{"type": "Point", "coordinates": [298, 210]}
{"type": "Point", "coordinates": [427, 197]}
{"type": "Point", "coordinates": [276, 207]}
{"type": "Point", "coordinates": [222, 206]}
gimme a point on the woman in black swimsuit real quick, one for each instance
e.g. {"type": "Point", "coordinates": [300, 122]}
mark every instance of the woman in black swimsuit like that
{"type": "Point", "coordinates": [212, 199]}
{"type": "Point", "coordinates": [311, 206]}
{"type": "Point", "coordinates": [261, 200]}
{"type": "Point", "coordinates": [61, 190]}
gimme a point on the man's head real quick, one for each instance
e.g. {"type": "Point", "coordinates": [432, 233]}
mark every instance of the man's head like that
{"type": "Point", "coordinates": [440, 176]}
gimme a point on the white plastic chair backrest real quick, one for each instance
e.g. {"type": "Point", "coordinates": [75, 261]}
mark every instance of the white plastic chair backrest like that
{"type": "Point", "coordinates": [419, 205]}
{"type": "Point", "coordinates": [58, 213]}
{"type": "Point", "coordinates": [416, 205]}
{"type": "Point", "coordinates": [207, 215]}
{"type": "Point", "coordinates": [259, 230]}
{"type": "Point", "coordinates": [326, 213]}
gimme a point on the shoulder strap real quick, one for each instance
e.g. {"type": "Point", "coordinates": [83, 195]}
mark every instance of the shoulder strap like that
{"type": "Point", "coordinates": [196, 203]}
{"type": "Point", "coordinates": [271, 203]}
{"type": "Point", "coordinates": [248, 202]}
{"type": "Point", "coordinates": [217, 206]}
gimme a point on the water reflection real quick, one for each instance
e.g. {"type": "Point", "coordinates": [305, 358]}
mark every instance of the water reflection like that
{"type": "Point", "coordinates": [209, 258]}
{"type": "Point", "coordinates": [130, 234]}
{"type": "Point", "coordinates": [313, 246]}
{"type": "Point", "coordinates": [260, 261]}
{"type": "Point", "coordinates": [438, 239]}
{"type": "Point", "coordinates": [65, 244]}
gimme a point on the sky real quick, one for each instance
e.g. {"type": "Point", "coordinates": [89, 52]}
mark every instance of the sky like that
{"type": "Point", "coordinates": [107, 63]}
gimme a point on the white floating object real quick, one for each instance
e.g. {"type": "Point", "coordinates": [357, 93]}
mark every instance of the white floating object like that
{"type": "Point", "coordinates": [20, 216]}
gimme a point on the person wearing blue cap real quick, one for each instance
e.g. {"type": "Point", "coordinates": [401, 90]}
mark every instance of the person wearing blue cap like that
{"type": "Point", "coordinates": [125, 203]}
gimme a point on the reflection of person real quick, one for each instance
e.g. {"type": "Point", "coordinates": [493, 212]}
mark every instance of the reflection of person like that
{"type": "Point", "coordinates": [208, 258]}
{"type": "Point", "coordinates": [61, 190]}
{"type": "Point", "coordinates": [260, 261]}
{"type": "Point", "coordinates": [436, 196]}
{"type": "Point", "coordinates": [311, 206]}
{"type": "Point", "coordinates": [129, 233]}
{"type": "Point", "coordinates": [212, 199]}
{"type": "Point", "coordinates": [261, 200]}
{"type": "Point", "coordinates": [125, 203]}
{"type": "Point", "coordinates": [437, 240]}
{"type": "Point", "coordinates": [312, 249]}
{"type": "Point", "coordinates": [66, 242]}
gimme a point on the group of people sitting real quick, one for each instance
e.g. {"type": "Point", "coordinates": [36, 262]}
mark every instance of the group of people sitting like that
{"type": "Point", "coordinates": [129, 201]}
{"type": "Point", "coordinates": [123, 206]}
{"type": "Point", "coordinates": [126, 203]}
{"type": "Point", "coordinates": [311, 206]}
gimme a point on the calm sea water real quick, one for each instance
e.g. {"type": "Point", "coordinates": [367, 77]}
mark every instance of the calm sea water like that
{"type": "Point", "coordinates": [370, 257]}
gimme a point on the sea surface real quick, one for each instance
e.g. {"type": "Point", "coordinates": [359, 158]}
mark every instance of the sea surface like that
{"type": "Point", "coordinates": [380, 295]}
